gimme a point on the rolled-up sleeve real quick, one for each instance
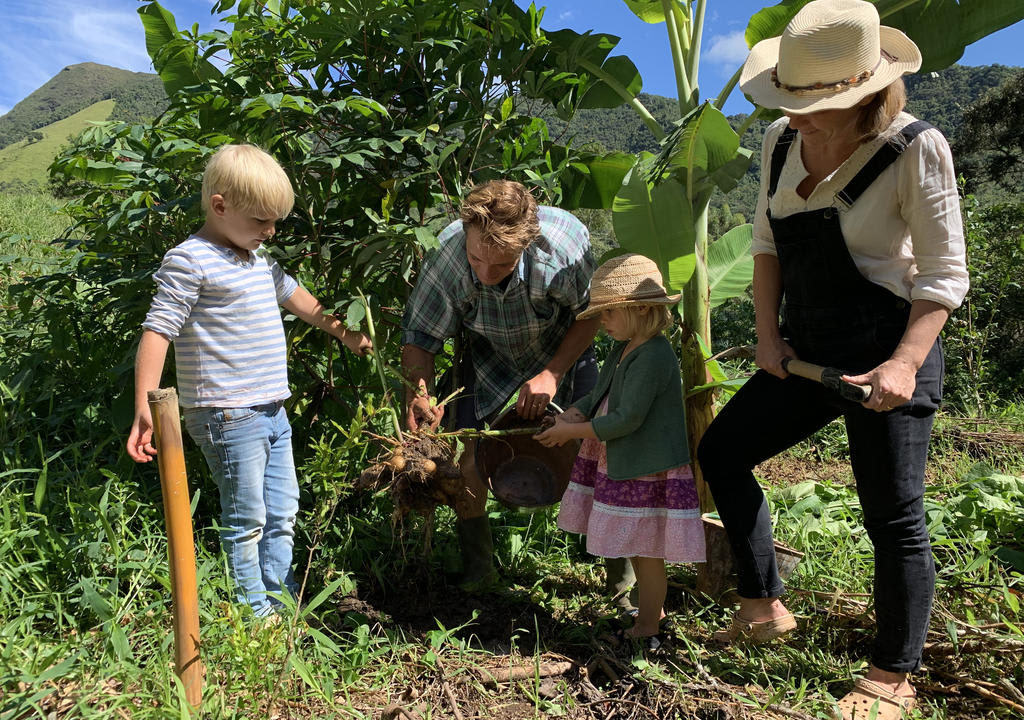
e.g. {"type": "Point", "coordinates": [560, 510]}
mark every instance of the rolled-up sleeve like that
{"type": "Point", "coordinates": [764, 241]}
{"type": "Point", "coordinates": [178, 282]}
{"type": "Point", "coordinates": [930, 205]}
{"type": "Point", "coordinates": [430, 317]}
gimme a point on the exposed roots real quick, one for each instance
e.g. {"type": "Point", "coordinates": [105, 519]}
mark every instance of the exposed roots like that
{"type": "Point", "coordinates": [420, 473]}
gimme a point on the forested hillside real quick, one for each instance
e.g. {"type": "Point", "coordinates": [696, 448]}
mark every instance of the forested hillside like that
{"type": "Point", "coordinates": [940, 98]}
{"type": "Point", "coordinates": [76, 87]}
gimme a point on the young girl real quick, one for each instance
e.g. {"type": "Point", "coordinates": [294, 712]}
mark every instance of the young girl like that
{"type": "Point", "coordinates": [632, 492]}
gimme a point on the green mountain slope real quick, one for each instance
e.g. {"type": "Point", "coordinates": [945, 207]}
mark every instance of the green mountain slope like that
{"type": "Point", "coordinates": [76, 87]}
{"type": "Point", "coordinates": [23, 164]}
{"type": "Point", "coordinates": [940, 98]}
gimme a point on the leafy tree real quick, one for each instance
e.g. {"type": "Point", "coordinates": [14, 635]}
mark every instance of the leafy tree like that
{"type": "Point", "coordinates": [382, 112]}
{"type": "Point", "coordinates": [985, 334]}
{"type": "Point", "coordinates": [990, 144]}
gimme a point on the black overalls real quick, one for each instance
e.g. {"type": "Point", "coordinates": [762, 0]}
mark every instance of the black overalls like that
{"type": "Point", "coordinates": [832, 315]}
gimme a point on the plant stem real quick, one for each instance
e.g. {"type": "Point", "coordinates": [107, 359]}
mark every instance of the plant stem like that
{"type": "Point", "coordinates": [379, 365]}
{"type": "Point", "coordinates": [749, 120]}
{"type": "Point", "coordinates": [625, 94]}
{"type": "Point", "coordinates": [472, 433]}
{"type": "Point", "coordinates": [727, 90]}
{"type": "Point", "coordinates": [675, 41]}
{"type": "Point", "coordinates": [693, 58]}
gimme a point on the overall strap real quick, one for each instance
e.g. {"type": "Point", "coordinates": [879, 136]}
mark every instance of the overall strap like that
{"type": "Point", "coordinates": [883, 158]}
{"type": "Point", "coordinates": [779, 153]}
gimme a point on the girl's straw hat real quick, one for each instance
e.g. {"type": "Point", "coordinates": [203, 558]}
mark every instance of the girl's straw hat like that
{"type": "Point", "coordinates": [832, 54]}
{"type": "Point", "coordinates": [628, 279]}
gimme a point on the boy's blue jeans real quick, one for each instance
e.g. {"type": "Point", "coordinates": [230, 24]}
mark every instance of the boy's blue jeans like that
{"type": "Point", "coordinates": [249, 451]}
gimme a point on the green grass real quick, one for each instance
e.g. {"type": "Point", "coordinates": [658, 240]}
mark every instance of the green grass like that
{"type": "Point", "coordinates": [25, 162]}
{"type": "Point", "coordinates": [29, 222]}
{"type": "Point", "coordinates": [85, 617]}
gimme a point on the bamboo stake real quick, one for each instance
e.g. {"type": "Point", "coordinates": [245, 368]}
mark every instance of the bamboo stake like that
{"type": "Point", "coordinates": [163, 404]}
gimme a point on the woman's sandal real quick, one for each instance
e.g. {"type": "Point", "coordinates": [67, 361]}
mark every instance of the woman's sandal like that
{"type": "Point", "coordinates": [858, 703]}
{"type": "Point", "coordinates": [754, 633]}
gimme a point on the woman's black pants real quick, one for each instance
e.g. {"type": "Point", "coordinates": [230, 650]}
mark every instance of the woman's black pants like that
{"type": "Point", "coordinates": [887, 452]}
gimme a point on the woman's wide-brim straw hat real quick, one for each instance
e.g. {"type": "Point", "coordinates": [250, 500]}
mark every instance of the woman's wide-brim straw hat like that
{"type": "Point", "coordinates": [832, 54]}
{"type": "Point", "coordinates": [629, 279]}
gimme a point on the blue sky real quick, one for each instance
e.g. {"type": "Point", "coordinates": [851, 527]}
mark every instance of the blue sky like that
{"type": "Point", "coordinates": [40, 39]}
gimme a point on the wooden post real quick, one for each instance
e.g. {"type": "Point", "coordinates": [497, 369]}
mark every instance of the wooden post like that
{"type": "Point", "coordinates": [163, 404]}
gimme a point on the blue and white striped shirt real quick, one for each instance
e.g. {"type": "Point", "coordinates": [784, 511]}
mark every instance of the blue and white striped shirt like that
{"type": "Point", "coordinates": [221, 312]}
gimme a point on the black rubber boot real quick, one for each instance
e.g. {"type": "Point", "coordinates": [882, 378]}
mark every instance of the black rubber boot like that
{"type": "Point", "coordinates": [620, 582]}
{"type": "Point", "coordinates": [478, 573]}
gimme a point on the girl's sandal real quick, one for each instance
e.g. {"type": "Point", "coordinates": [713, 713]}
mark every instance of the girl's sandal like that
{"type": "Point", "coordinates": [858, 704]}
{"type": "Point", "coordinates": [755, 633]}
{"type": "Point", "coordinates": [649, 643]}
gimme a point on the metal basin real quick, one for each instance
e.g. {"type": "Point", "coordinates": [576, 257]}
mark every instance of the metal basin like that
{"type": "Point", "coordinates": [520, 472]}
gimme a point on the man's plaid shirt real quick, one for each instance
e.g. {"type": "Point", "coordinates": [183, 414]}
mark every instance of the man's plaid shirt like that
{"type": "Point", "coordinates": [511, 333]}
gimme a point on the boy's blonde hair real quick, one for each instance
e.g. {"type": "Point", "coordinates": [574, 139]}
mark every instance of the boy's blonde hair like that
{"type": "Point", "coordinates": [505, 213]}
{"type": "Point", "coordinates": [646, 320]}
{"type": "Point", "coordinates": [250, 180]}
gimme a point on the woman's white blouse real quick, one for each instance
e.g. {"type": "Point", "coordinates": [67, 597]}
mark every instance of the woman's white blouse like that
{"type": "Point", "coordinates": [905, 231]}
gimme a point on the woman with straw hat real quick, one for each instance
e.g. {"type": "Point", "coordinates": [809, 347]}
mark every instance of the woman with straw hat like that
{"type": "Point", "coordinates": [858, 245]}
{"type": "Point", "coordinates": [632, 491]}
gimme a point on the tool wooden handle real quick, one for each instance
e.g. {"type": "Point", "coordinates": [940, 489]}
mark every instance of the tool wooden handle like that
{"type": "Point", "coordinates": [829, 377]}
{"type": "Point", "coordinates": [163, 404]}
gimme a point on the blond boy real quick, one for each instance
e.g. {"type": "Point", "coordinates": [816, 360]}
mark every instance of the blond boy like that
{"type": "Point", "coordinates": [217, 301]}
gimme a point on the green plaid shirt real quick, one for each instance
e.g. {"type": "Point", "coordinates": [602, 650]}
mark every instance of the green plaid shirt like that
{"type": "Point", "coordinates": [511, 332]}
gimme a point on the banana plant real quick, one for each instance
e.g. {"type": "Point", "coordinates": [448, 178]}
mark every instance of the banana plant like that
{"type": "Point", "coordinates": [660, 205]}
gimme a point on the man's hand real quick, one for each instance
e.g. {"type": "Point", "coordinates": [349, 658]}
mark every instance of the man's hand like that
{"type": "Point", "coordinates": [423, 409]}
{"type": "Point", "coordinates": [140, 439]}
{"type": "Point", "coordinates": [358, 343]}
{"type": "Point", "coordinates": [535, 394]}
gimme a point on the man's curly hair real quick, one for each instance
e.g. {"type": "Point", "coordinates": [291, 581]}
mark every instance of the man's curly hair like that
{"type": "Point", "coordinates": [505, 213]}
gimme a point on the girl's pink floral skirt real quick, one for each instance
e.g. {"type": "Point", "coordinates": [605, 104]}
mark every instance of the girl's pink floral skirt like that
{"type": "Point", "coordinates": [654, 516]}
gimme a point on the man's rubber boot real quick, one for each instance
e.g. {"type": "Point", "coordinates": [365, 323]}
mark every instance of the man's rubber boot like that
{"type": "Point", "coordinates": [478, 573]}
{"type": "Point", "coordinates": [620, 582]}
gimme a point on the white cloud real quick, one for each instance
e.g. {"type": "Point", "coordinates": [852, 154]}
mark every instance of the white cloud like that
{"type": "Point", "coordinates": [566, 16]}
{"type": "Point", "coordinates": [38, 44]}
{"type": "Point", "coordinates": [114, 35]}
{"type": "Point", "coordinates": [730, 49]}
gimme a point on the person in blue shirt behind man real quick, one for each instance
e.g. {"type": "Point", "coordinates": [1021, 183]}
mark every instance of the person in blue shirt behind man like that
{"type": "Point", "coordinates": [217, 300]}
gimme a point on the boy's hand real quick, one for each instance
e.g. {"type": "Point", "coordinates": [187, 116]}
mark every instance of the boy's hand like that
{"type": "Point", "coordinates": [140, 439]}
{"type": "Point", "coordinates": [358, 343]}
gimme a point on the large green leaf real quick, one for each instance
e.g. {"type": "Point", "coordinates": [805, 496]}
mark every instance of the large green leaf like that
{"type": "Point", "coordinates": [771, 21]}
{"type": "Point", "coordinates": [656, 221]}
{"type": "Point", "coordinates": [703, 150]}
{"type": "Point", "coordinates": [730, 265]}
{"type": "Point", "coordinates": [650, 11]}
{"type": "Point", "coordinates": [173, 57]}
{"type": "Point", "coordinates": [729, 175]}
{"type": "Point", "coordinates": [602, 95]}
{"type": "Point", "coordinates": [570, 47]}
{"type": "Point", "coordinates": [593, 181]}
{"type": "Point", "coordinates": [941, 28]}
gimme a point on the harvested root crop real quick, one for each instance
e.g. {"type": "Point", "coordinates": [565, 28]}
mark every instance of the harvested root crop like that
{"type": "Point", "coordinates": [420, 473]}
